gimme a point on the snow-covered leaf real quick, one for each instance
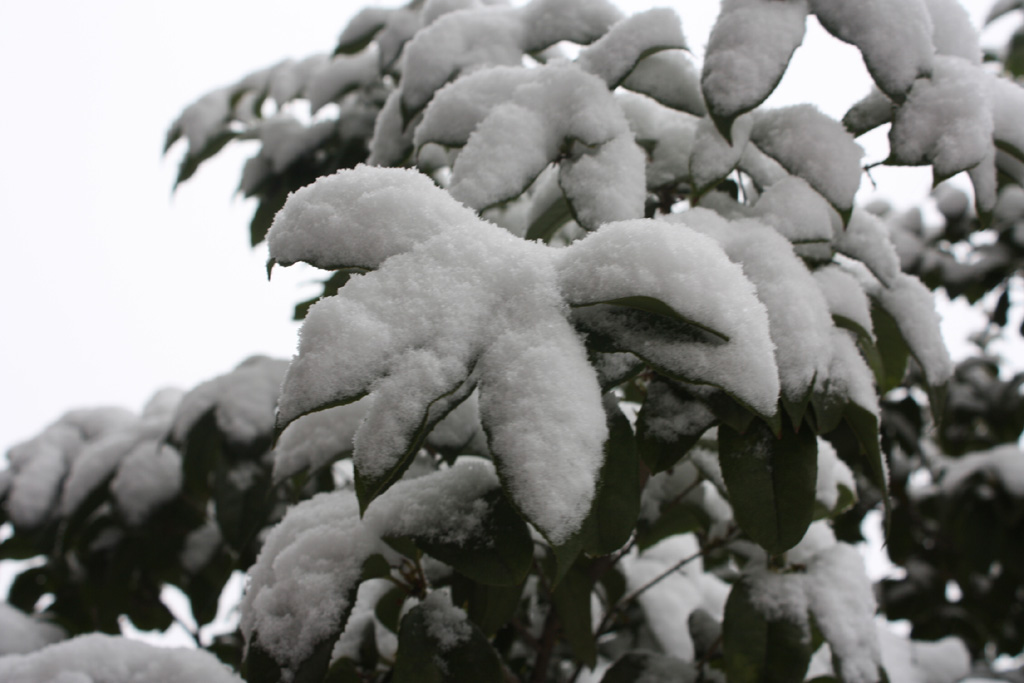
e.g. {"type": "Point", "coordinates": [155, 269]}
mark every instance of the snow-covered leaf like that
{"type": "Point", "coordinates": [766, 631]}
{"type": "Point", "coordinates": [437, 642]}
{"type": "Point", "coordinates": [814, 147]}
{"type": "Point", "coordinates": [670, 78]}
{"type": "Point", "coordinates": [945, 120]}
{"type": "Point", "coordinates": [771, 482]}
{"type": "Point", "coordinates": [798, 315]}
{"type": "Point", "coordinates": [615, 54]}
{"type": "Point", "coordinates": [459, 516]}
{"type": "Point", "coordinates": [894, 37]}
{"type": "Point", "coordinates": [489, 36]}
{"type": "Point", "coordinates": [748, 51]}
{"type": "Point", "coordinates": [673, 263]}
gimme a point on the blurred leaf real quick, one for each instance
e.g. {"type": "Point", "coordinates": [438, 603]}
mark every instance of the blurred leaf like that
{"type": "Point", "coordinates": [650, 667]}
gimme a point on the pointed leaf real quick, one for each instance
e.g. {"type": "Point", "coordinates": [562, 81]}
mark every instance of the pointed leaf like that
{"type": "Point", "coordinates": [771, 482]}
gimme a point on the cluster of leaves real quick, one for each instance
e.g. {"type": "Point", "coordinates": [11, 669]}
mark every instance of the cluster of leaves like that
{"type": "Point", "coordinates": [556, 241]}
{"type": "Point", "coordinates": [118, 506]}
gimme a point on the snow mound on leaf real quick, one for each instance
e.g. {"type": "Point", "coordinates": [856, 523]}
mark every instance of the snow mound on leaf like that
{"type": "Point", "coordinates": [305, 576]}
{"type": "Point", "coordinates": [99, 658]}
{"type": "Point", "coordinates": [21, 633]}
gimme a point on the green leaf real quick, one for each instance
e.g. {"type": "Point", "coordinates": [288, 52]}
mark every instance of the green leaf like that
{"type": "Point", "coordinates": [544, 226]}
{"type": "Point", "coordinates": [201, 453]}
{"type": "Point", "coordinates": [243, 503]}
{"type": "Point", "coordinates": [571, 600]}
{"type": "Point", "coordinates": [501, 556]}
{"type": "Point", "coordinates": [434, 647]}
{"type": "Point", "coordinates": [389, 608]}
{"type": "Point", "coordinates": [892, 348]}
{"type": "Point", "coordinates": [650, 304]}
{"type": "Point", "coordinates": [368, 488]}
{"type": "Point", "coordinates": [678, 518]}
{"type": "Point", "coordinates": [760, 650]}
{"type": "Point", "coordinates": [771, 482]}
{"type": "Point", "coordinates": [617, 503]}
{"type": "Point", "coordinates": [490, 607]}
{"type": "Point", "coordinates": [864, 425]}
{"type": "Point", "coordinates": [666, 400]}
{"type": "Point", "coordinates": [649, 667]}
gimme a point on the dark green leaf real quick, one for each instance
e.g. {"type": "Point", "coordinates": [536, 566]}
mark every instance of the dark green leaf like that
{"type": "Point", "coordinates": [268, 207]}
{"type": "Point", "coordinates": [771, 482]}
{"type": "Point", "coordinates": [666, 400]}
{"type": "Point", "coordinates": [617, 503]}
{"type": "Point", "coordinates": [389, 607]}
{"type": "Point", "coordinates": [490, 607]}
{"type": "Point", "coordinates": [464, 656]}
{"type": "Point", "coordinates": [891, 346]}
{"type": "Point", "coordinates": [571, 599]}
{"type": "Point", "coordinates": [864, 425]}
{"type": "Point", "coordinates": [649, 304]}
{"type": "Point", "coordinates": [760, 650]}
{"type": "Point", "coordinates": [243, 503]}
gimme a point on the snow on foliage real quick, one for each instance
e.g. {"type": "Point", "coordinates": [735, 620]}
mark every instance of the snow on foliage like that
{"type": "Point", "coordinates": [304, 583]}
{"type": "Point", "coordinates": [894, 36]}
{"type": "Point", "coordinates": [748, 51]}
{"type": "Point", "coordinates": [463, 312]}
{"type": "Point", "coordinates": [22, 633]}
{"type": "Point", "coordinates": [99, 658]}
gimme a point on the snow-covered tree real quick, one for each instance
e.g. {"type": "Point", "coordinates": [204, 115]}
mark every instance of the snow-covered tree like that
{"type": "Point", "coordinates": [609, 366]}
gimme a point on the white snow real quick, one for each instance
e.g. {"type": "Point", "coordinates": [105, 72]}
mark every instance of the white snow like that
{"type": "Point", "coordinates": [285, 139]}
{"type": "Point", "coordinates": [669, 603]}
{"type": "Point", "coordinates": [714, 157]}
{"type": "Point", "coordinates": [243, 401]}
{"type": "Point", "coordinates": [520, 137]}
{"type": "Point", "coordinates": [842, 602]}
{"type": "Point", "coordinates": [894, 36]}
{"type": "Point", "coordinates": [313, 441]}
{"type": "Point", "coordinates": [946, 119]}
{"type": "Point", "coordinates": [546, 22]}
{"type": "Point", "coordinates": [341, 74]}
{"type": "Point", "coordinates": [692, 275]}
{"type": "Point", "coordinates": [606, 184]}
{"type": "Point", "coordinates": [360, 218]}
{"type": "Point", "coordinates": [866, 238]}
{"type": "Point", "coordinates": [670, 132]}
{"type": "Point", "coordinates": [813, 146]}
{"type": "Point", "coordinates": [798, 314]}
{"type": "Point", "coordinates": [1002, 463]}
{"type": "Point", "coordinates": [795, 210]}
{"type": "Point", "coordinates": [148, 476]}
{"type": "Point", "coordinates": [670, 78]}
{"type": "Point", "coordinates": [100, 658]}
{"type": "Point", "coordinates": [612, 56]}
{"type": "Point", "coordinates": [445, 506]}
{"type": "Point", "coordinates": [301, 581]}
{"type": "Point", "coordinates": [833, 473]}
{"type": "Point", "coordinates": [912, 306]}
{"type": "Point", "coordinates": [845, 296]}
{"type": "Point", "coordinates": [22, 633]}
{"type": "Point", "coordinates": [748, 51]}
{"type": "Point", "coordinates": [952, 31]}
{"type": "Point", "coordinates": [471, 299]}
{"type": "Point", "coordinates": [446, 624]}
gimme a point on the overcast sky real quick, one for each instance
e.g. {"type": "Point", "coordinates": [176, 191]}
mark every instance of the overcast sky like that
{"type": "Point", "coordinates": [112, 288]}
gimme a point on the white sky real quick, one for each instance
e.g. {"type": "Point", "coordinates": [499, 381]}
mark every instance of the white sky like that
{"type": "Point", "coordinates": [112, 288]}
